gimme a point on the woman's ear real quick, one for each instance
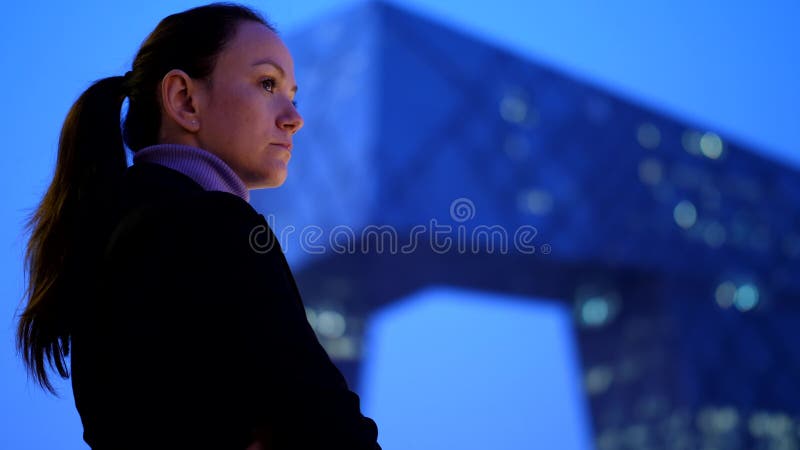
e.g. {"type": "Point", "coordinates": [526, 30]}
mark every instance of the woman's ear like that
{"type": "Point", "coordinates": [181, 98]}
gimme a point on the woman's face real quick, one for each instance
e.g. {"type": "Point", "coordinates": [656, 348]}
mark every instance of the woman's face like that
{"type": "Point", "coordinates": [248, 116]}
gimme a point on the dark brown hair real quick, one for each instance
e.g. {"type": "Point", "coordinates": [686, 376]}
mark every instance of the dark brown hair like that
{"type": "Point", "coordinates": [91, 159]}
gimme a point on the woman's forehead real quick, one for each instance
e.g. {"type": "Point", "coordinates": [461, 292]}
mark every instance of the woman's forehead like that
{"type": "Point", "coordinates": [253, 42]}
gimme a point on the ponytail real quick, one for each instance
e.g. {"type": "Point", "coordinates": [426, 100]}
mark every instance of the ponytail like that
{"type": "Point", "coordinates": [91, 159]}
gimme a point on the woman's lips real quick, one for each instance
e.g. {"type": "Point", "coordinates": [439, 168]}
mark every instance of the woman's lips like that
{"type": "Point", "coordinates": [285, 145]}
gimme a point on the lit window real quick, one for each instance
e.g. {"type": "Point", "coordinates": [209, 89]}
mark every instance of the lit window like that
{"type": "Point", "coordinates": [513, 109]}
{"type": "Point", "coordinates": [711, 145]}
{"type": "Point", "coordinates": [746, 297]}
{"type": "Point", "coordinates": [725, 293]}
{"type": "Point", "coordinates": [650, 171]}
{"type": "Point", "coordinates": [331, 324]}
{"type": "Point", "coordinates": [691, 142]}
{"type": "Point", "coordinates": [648, 136]}
{"type": "Point", "coordinates": [714, 234]}
{"type": "Point", "coordinates": [685, 214]}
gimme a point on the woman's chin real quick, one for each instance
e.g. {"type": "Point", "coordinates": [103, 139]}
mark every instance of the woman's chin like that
{"type": "Point", "coordinates": [274, 179]}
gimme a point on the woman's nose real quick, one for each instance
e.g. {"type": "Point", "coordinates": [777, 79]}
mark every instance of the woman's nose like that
{"type": "Point", "coordinates": [291, 121]}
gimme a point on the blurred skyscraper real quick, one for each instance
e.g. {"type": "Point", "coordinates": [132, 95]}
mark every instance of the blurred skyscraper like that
{"type": "Point", "coordinates": [677, 250]}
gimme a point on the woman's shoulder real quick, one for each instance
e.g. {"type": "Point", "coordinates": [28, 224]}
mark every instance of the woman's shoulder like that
{"type": "Point", "coordinates": [204, 216]}
{"type": "Point", "coordinates": [206, 205]}
{"type": "Point", "coordinates": [216, 205]}
{"type": "Point", "coordinates": [170, 193]}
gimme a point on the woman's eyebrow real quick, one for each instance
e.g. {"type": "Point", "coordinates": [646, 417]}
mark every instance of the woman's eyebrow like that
{"type": "Point", "coordinates": [276, 66]}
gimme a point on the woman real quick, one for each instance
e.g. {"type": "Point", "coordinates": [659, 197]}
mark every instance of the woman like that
{"type": "Point", "coordinates": [184, 321]}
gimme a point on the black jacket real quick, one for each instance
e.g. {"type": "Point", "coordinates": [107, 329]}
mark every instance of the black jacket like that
{"type": "Point", "coordinates": [191, 331]}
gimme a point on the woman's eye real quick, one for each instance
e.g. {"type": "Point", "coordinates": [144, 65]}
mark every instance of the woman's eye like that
{"type": "Point", "coordinates": [268, 84]}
